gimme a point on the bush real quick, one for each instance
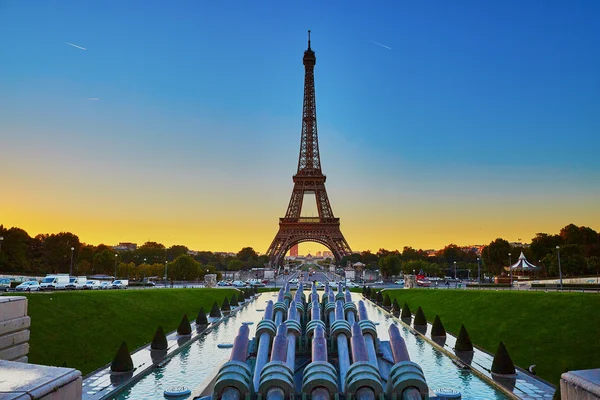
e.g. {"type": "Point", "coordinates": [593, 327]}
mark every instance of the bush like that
{"type": "Point", "coordinates": [566, 286]}
{"type": "Point", "coordinates": [159, 342]}
{"type": "Point", "coordinates": [364, 290]}
{"type": "Point", "coordinates": [438, 329]}
{"type": "Point", "coordinates": [122, 361]}
{"type": "Point", "coordinates": [463, 342]}
{"type": "Point", "coordinates": [396, 307]}
{"type": "Point", "coordinates": [502, 363]}
{"type": "Point", "coordinates": [234, 301]}
{"type": "Point", "coordinates": [246, 293]}
{"type": "Point", "coordinates": [420, 317]}
{"type": "Point", "coordinates": [184, 327]}
{"type": "Point", "coordinates": [215, 311]}
{"type": "Point", "coordinates": [386, 301]}
{"type": "Point", "coordinates": [489, 285]}
{"type": "Point", "coordinates": [201, 318]}
{"type": "Point", "coordinates": [379, 298]}
{"type": "Point", "coordinates": [406, 311]}
{"type": "Point", "coordinates": [368, 293]}
{"type": "Point", "coordinates": [225, 306]}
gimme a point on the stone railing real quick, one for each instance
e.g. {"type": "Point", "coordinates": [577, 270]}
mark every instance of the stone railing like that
{"type": "Point", "coordinates": [14, 328]}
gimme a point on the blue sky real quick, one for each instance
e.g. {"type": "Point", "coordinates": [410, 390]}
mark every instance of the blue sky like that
{"type": "Point", "coordinates": [481, 110]}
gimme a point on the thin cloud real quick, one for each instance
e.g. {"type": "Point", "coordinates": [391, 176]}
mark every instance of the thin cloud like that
{"type": "Point", "coordinates": [381, 45]}
{"type": "Point", "coordinates": [94, 98]}
{"type": "Point", "coordinates": [74, 45]}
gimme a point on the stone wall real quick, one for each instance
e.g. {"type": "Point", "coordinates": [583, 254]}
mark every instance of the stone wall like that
{"type": "Point", "coordinates": [14, 328]}
{"type": "Point", "coordinates": [580, 385]}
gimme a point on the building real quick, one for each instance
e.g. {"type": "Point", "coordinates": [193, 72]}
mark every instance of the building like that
{"type": "Point", "coordinates": [294, 251]}
{"type": "Point", "coordinates": [125, 246]}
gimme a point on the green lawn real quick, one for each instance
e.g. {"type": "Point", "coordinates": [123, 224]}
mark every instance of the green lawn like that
{"type": "Point", "coordinates": [85, 328]}
{"type": "Point", "coordinates": [555, 331]}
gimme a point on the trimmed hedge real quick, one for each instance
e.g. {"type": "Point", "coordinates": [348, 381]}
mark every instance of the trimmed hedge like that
{"type": "Point", "coordinates": [502, 363]}
{"type": "Point", "coordinates": [159, 342]}
{"type": "Point", "coordinates": [420, 317]}
{"type": "Point", "coordinates": [566, 285]}
{"type": "Point", "coordinates": [225, 306]}
{"type": "Point", "coordinates": [201, 318]}
{"type": "Point", "coordinates": [406, 311]}
{"type": "Point", "coordinates": [122, 361]}
{"type": "Point", "coordinates": [463, 341]}
{"type": "Point", "coordinates": [379, 298]}
{"type": "Point", "coordinates": [215, 311]}
{"type": "Point", "coordinates": [396, 307]}
{"type": "Point", "coordinates": [489, 285]}
{"type": "Point", "coordinates": [386, 301]}
{"type": "Point", "coordinates": [234, 301]}
{"type": "Point", "coordinates": [438, 329]}
{"type": "Point", "coordinates": [184, 327]}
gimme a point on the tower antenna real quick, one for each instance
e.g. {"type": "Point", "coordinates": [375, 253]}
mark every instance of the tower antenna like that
{"type": "Point", "coordinates": [309, 39]}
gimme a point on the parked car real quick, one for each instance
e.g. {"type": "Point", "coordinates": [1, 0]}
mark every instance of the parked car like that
{"type": "Point", "coordinates": [400, 282]}
{"type": "Point", "coordinates": [28, 286]}
{"type": "Point", "coordinates": [295, 280]}
{"type": "Point", "coordinates": [222, 283]}
{"type": "Point", "coordinates": [120, 284]}
{"type": "Point", "coordinates": [105, 285]}
{"type": "Point", "coordinates": [76, 282]}
{"type": "Point", "coordinates": [89, 285]}
{"type": "Point", "coordinates": [239, 284]}
{"type": "Point", "coordinates": [51, 282]}
{"type": "Point", "coordinates": [378, 283]}
{"type": "Point", "coordinates": [352, 285]}
{"type": "Point", "coordinates": [4, 284]}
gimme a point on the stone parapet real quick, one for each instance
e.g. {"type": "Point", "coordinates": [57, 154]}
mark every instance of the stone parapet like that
{"type": "Point", "coordinates": [580, 385]}
{"type": "Point", "coordinates": [14, 328]}
{"type": "Point", "coordinates": [29, 381]}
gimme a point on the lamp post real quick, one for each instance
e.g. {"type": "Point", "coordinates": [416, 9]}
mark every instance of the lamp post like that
{"type": "Point", "coordinates": [144, 272]}
{"type": "Point", "coordinates": [454, 270]}
{"type": "Point", "coordinates": [71, 270]}
{"type": "Point", "coordinates": [116, 257]}
{"type": "Point", "coordinates": [509, 268]}
{"type": "Point", "coordinates": [1, 240]}
{"type": "Point", "coordinates": [166, 272]}
{"type": "Point", "coordinates": [478, 272]}
{"type": "Point", "coordinates": [559, 268]}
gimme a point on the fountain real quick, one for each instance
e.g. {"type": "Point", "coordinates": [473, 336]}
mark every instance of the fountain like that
{"type": "Point", "coordinates": [318, 350]}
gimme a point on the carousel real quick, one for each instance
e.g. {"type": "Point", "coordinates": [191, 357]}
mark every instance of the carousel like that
{"type": "Point", "coordinates": [523, 269]}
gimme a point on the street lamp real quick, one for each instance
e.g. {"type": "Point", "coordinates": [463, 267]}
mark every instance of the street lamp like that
{"type": "Point", "coordinates": [166, 271]}
{"type": "Point", "coordinates": [116, 257]}
{"type": "Point", "coordinates": [478, 271]}
{"type": "Point", "coordinates": [454, 270]}
{"type": "Point", "coordinates": [509, 268]}
{"type": "Point", "coordinates": [559, 268]}
{"type": "Point", "coordinates": [1, 240]}
{"type": "Point", "coordinates": [71, 270]}
{"type": "Point", "coordinates": [144, 271]}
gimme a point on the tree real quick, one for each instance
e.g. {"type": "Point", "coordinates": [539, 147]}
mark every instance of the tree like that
{"type": "Point", "coordinates": [15, 254]}
{"type": "Point", "coordinates": [184, 267]}
{"type": "Point", "coordinates": [367, 257]}
{"type": "Point", "coordinates": [495, 256]}
{"type": "Point", "coordinates": [235, 265]}
{"type": "Point", "coordinates": [57, 251]}
{"type": "Point", "coordinates": [151, 251]}
{"type": "Point", "coordinates": [104, 262]}
{"type": "Point", "coordinates": [543, 244]}
{"type": "Point", "coordinates": [389, 265]}
{"type": "Point", "coordinates": [246, 254]}
{"type": "Point", "coordinates": [175, 251]}
{"type": "Point", "coordinates": [410, 254]}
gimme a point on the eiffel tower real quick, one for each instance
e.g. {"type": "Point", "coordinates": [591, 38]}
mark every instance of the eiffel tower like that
{"type": "Point", "coordinates": [309, 179]}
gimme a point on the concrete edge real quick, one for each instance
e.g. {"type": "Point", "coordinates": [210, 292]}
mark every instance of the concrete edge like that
{"type": "Point", "coordinates": [580, 382]}
{"type": "Point", "coordinates": [143, 372]}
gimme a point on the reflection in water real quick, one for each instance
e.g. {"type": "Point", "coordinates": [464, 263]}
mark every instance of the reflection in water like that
{"type": "Point", "coordinates": [191, 366]}
{"type": "Point", "coordinates": [465, 356]}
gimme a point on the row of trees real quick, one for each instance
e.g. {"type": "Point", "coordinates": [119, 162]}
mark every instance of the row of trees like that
{"type": "Point", "coordinates": [51, 253]}
{"type": "Point", "coordinates": [579, 252]}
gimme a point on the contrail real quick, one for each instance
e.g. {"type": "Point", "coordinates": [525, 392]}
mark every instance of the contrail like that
{"type": "Point", "coordinates": [74, 45]}
{"type": "Point", "coordinates": [382, 45]}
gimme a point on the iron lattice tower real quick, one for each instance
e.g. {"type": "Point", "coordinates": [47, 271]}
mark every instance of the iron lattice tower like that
{"type": "Point", "coordinates": [309, 179]}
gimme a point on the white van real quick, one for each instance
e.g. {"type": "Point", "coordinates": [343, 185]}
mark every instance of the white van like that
{"type": "Point", "coordinates": [76, 282]}
{"type": "Point", "coordinates": [120, 284]}
{"type": "Point", "coordinates": [52, 282]}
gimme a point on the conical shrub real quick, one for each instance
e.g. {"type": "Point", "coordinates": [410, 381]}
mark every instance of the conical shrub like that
{"type": "Point", "coordinates": [368, 292]}
{"type": "Point", "coordinates": [406, 311]}
{"type": "Point", "coordinates": [201, 318]}
{"type": "Point", "coordinates": [225, 306]}
{"type": "Point", "coordinates": [159, 342]}
{"type": "Point", "coordinates": [215, 311]}
{"type": "Point", "coordinates": [379, 298]}
{"type": "Point", "coordinates": [396, 307]}
{"type": "Point", "coordinates": [364, 291]}
{"type": "Point", "coordinates": [502, 363]}
{"type": "Point", "coordinates": [246, 293]}
{"type": "Point", "coordinates": [122, 361]}
{"type": "Point", "coordinates": [463, 342]}
{"type": "Point", "coordinates": [420, 317]}
{"type": "Point", "coordinates": [234, 301]}
{"type": "Point", "coordinates": [386, 301]}
{"type": "Point", "coordinates": [438, 329]}
{"type": "Point", "coordinates": [255, 290]}
{"type": "Point", "coordinates": [184, 327]}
